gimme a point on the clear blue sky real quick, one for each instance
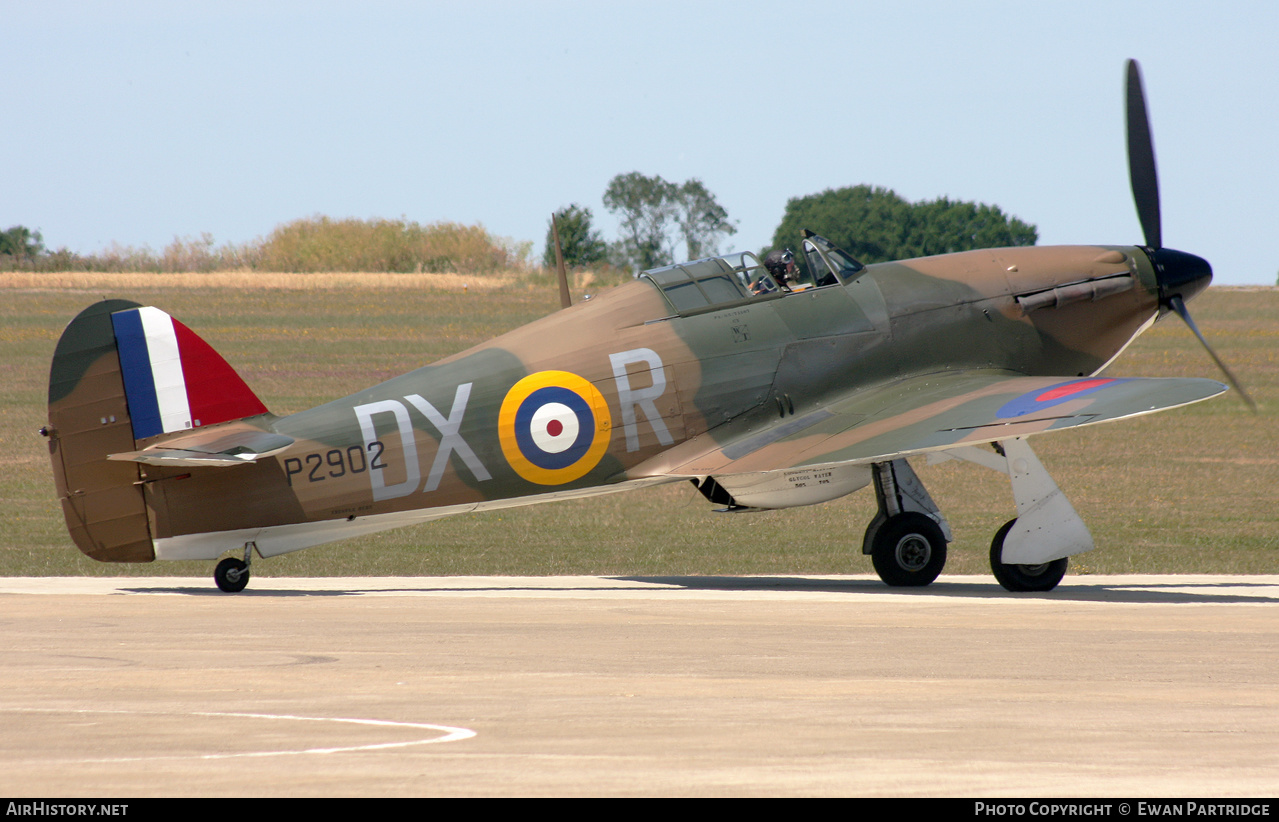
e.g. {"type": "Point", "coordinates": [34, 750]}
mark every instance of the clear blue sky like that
{"type": "Point", "coordinates": [139, 122]}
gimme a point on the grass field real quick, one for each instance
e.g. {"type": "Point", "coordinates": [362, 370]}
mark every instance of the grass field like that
{"type": "Point", "coordinates": [1188, 491]}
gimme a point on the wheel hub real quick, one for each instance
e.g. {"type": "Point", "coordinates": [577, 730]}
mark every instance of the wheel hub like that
{"type": "Point", "coordinates": [913, 552]}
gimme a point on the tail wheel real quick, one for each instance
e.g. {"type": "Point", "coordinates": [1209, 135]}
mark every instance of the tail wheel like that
{"type": "Point", "coordinates": [908, 550]}
{"type": "Point", "coordinates": [1019, 578]}
{"type": "Point", "coordinates": [231, 575]}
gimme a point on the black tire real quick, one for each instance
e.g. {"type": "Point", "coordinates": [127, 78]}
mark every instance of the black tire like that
{"type": "Point", "coordinates": [908, 550]}
{"type": "Point", "coordinates": [231, 575]}
{"type": "Point", "coordinates": [1022, 578]}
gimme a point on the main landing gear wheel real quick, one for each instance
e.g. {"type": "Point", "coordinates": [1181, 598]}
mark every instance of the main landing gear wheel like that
{"type": "Point", "coordinates": [1019, 578]}
{"type": "Point", "coordinates": [908, 550]}
{"type": "Point", "coordinates": [231, 575]}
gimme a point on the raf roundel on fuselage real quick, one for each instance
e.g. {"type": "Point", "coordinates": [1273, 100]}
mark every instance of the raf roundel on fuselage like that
{"type": "Point", "coordinates": [554, 427]}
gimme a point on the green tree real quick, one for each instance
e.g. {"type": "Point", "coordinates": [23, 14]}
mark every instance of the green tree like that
{"type": "Point", "coordinates": [583, 247]}
{"type": "Point", "coordinates": [655, 214]}
{"type": "Point", "coordinates": [875, 224]}
{"type": "Point", "coordinates": [21, 243]}
{"type": "Point", "coordinates": [645, 207]}
{"type": "Point", "coordinates": [702, 220]}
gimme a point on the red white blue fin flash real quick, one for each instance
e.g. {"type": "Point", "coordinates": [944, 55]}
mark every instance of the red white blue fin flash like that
{"type": "Point", "coordinates": [173, 380]}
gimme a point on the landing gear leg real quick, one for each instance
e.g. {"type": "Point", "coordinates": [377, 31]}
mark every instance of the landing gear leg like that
{"type": "Point", "coordinates": [907, 539]}
{"type": "Point", "coordinates": [232, 574]}
{"type": "Point", "coordinates": [1029, 553]}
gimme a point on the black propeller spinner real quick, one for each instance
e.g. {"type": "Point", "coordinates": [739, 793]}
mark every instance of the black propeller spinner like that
{"type": "Point", "coordinates": [1180, 275]}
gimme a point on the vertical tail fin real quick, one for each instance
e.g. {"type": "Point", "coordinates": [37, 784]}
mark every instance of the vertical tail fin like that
{"type": "Point", "coordinates": [123, 373]}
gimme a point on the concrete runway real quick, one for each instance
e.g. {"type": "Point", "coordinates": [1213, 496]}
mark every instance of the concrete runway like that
{"type": "Point", "coordinates": [1133, 686]}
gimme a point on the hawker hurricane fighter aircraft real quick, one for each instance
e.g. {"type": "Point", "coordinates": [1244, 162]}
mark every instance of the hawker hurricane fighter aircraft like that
{"type": "Point", "coordinates": [765, 395]}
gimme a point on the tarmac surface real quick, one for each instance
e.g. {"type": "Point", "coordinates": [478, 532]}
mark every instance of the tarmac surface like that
{"type": "Point", "coordinates": [1110, 686]}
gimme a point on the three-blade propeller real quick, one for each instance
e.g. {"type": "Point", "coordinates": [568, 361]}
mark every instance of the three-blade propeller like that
{"type": "Point", "coordinates": [1180, 275]}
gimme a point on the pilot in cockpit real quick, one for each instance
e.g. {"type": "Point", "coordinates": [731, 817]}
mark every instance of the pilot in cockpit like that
{"type": "Point", "coordinates": [781, 265]}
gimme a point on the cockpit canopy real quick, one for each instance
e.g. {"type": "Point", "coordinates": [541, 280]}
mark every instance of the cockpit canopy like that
{"type": "Point", "coordinates": [718, 282]}
{"type": "Point", "coordinates": [829, 259]}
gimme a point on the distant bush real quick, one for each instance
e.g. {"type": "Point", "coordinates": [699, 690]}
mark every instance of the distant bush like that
{"type": "Point", "coordinates": [182, 255]}
{"type": "Point", "coordinates": [396, 246]}
{"type": "Point", "coordinates": [318, 244]}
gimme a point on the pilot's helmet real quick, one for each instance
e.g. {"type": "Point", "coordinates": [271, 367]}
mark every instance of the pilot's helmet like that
{"type": "Point", "coordinates": [778, 261]}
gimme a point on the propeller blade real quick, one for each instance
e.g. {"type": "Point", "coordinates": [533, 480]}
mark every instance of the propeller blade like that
{"type": "Point", "coordinates": [1179, 305]}
{"type": "Point", "coordinates": [1141, 160]}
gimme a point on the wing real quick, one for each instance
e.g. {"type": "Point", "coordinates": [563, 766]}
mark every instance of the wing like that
{"type": "Point", "coordinates": [921, 414]}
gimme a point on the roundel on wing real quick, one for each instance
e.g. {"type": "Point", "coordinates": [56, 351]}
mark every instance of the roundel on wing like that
{"type": "Point", "coordinates": [554, 427]}
{"type": "Point", "coordinates": [1042, 398]}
